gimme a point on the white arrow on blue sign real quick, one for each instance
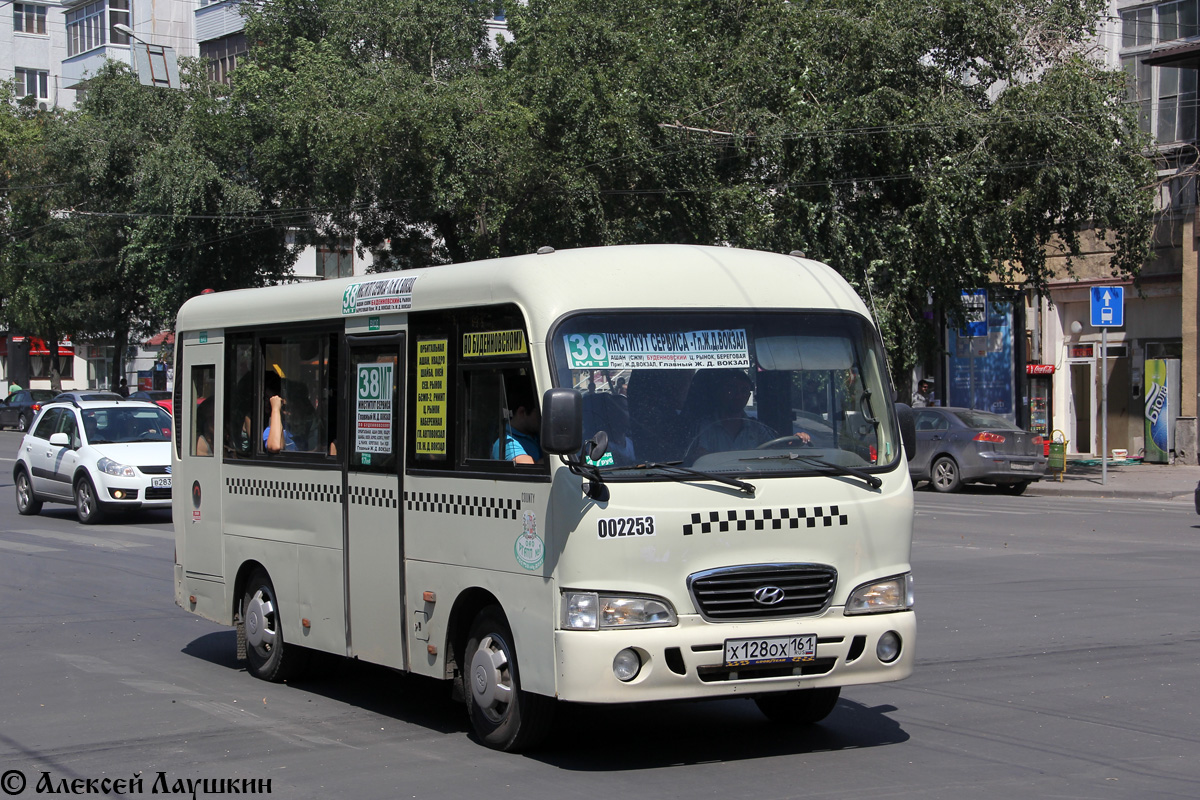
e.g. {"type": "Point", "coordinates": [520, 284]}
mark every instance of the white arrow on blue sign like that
{"type": "Point", "coordinates": [1108, 306]}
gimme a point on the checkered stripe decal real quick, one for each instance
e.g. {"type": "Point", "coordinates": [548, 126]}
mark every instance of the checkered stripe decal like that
{"type": "Point", "coordinates": [373, 496]}
{"type": "Point", "coordinates": [463, 504]}
{"type": "Point", "coordinates": [285, 490]}
{"type": "Point", "coordinates": [762, 518]}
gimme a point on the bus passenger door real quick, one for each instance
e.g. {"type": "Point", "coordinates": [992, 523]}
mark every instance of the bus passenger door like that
{"type": "Point", "coordinates": [197, 498]}
{"type": "Point", "coordinates": [372, 438]}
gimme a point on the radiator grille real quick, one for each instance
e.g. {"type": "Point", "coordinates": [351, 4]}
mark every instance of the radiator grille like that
{"type": "Point", "coordinates": [729, 593]}
{"type": "Point", "coordinates": [158, 494]}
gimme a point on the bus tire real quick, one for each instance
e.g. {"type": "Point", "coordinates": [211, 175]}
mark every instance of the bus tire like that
{"type": "Point", "coordinates": [267, 656]}
{"type": "Point", "coordinates": [800, 706]}
{"type": "Point", "coordinates": [28, 503]}
{"type": "Point", "coordinates": [503, 716]}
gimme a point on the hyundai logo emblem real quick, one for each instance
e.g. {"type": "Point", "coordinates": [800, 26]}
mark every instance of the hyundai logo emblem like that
{"type": "Point", "coordinates": [768, 595]}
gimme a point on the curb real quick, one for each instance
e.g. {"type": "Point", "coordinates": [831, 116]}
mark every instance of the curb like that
{"type": "Point", "coordinates": [1098, 491]}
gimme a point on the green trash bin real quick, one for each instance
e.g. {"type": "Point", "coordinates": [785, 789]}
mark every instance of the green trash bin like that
{"type": "Point", "coordinates": [1057, 458]}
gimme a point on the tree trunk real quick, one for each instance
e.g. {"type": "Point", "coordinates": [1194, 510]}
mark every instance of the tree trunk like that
{"type": "Point", "coordinates": [120, 345]}
{"type": "Point", "coordinates": [52, 349]}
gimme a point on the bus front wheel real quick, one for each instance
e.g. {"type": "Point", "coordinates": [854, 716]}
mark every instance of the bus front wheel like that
{"type": "Point", "coordinates": [503, 715]}
{"type": "Point", "coordinates": [267, 657]}
{"type": "Point", "coordinates": [800, 706]}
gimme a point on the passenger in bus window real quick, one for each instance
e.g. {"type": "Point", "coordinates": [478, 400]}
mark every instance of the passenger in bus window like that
{"type": "Point", "coordinates": [521, 435]}
{"type": "Point", "coordinates": [204, 427]}
{"type": "Point", "coordinates": [276, 436]}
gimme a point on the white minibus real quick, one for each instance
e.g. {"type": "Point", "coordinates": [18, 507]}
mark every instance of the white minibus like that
{"type": "Point", "coordinates": [604, 475]}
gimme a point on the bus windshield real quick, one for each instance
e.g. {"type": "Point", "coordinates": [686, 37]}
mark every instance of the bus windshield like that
{"type": "Point", "coordinates": [730, 392]}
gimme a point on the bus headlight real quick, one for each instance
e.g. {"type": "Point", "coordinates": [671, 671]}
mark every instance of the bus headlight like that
{"type": "Point", "coordinates": [889, 594]}
{"type": "Point", "coordinates": [589, 611]}
{"type": "Point", "coordinates": [110, 467]}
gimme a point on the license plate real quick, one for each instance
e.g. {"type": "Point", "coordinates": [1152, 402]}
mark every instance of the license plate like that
{"type": "Point", "coordinates": [770, 650]}
{"type": "Point", "coordinates": [160, 483]}
{"type": "Point", "coordinates": [1015, 465]}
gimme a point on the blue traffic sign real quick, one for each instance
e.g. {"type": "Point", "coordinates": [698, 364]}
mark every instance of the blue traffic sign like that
{"type": "Point", "coordinates": [1108, 306]}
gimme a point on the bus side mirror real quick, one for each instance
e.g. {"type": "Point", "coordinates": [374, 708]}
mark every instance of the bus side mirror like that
{"type": "Point", "coordinates": [908, 429]}
{"type": "Point", "coordinates": [562, 421]}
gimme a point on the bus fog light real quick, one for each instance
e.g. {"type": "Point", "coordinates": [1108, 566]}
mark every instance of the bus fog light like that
{"type": "Point", "coordinates": [627, 664]}
{"type": "Point", "coordinates": [888, 648]}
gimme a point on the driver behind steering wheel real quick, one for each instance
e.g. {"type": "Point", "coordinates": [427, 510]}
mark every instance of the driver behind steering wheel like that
{"type": "Point", "coordinates": [728, 427]}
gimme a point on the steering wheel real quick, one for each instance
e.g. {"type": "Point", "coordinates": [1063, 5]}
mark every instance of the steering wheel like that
{"type": "Point", "coordinates": [793, 440]}
{"type": "Point", "coordinates": [695, 450]}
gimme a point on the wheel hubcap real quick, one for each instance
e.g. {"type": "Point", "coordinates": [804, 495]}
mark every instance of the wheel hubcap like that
{"type": "Point", "coordinates": [945, 474]}
{"type": "Point", "coordinates": [259, 621]}
{"type": "Point", "coordinates": [491, 678]}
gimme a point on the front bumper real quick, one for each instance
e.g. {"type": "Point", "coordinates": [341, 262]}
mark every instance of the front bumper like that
{"type": "Point", "coordinates": [687, 661]}
{"type": "Point", "coordinates": [132, 493]}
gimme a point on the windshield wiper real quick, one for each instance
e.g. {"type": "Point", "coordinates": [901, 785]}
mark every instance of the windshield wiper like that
{"type": "Point", "coordinates": [674, 468]}
{"type": "Point", "coordinates": [831, 469]}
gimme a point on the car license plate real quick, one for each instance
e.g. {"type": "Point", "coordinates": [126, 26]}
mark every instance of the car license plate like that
{"type": "Point", "coordinates": [1015, 465]}
{"type": "Point", "coordinates": [160, 483]}
{"type": "Point", "coordinates": [770, 650]}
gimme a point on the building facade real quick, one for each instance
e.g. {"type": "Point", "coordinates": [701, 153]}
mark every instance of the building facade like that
{"type": "Point", "coordinates": [1160, 311]}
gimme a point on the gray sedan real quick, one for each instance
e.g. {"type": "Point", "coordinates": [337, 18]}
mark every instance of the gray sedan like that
{"type": "Point", "coordinates": [960, 445]}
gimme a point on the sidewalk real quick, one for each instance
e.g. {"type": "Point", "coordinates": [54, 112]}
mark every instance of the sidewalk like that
{"type": "Point", "coordinates": [1132, 480]}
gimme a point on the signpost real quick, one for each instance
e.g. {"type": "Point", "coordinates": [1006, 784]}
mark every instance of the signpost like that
{"type": "Point", "coordinates": [975, 304]}
{"type": "Point", "coordinates": [1108, 311]}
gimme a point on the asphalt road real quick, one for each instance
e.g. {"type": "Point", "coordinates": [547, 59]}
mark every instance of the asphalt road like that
{"type": "Point", "coordinates": [1058, 654]}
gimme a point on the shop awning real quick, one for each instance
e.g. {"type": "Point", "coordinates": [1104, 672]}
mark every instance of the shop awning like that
{"type": "Point", "coordinates": [38, 347]}
{"type": "Point", "coordinates": [1184, 56]}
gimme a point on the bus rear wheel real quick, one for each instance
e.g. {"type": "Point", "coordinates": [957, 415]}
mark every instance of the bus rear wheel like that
{"type": "Point", "coordinates": [800, 706]}
{"type": "Point", "coordinates": [504, 716]}
{"type": "Point", "coordinates": [267, 657]}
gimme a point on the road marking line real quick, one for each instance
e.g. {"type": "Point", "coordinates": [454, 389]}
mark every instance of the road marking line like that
{"type": "Point", "coordinates": [21, 547]}
{"type": "Point", "coordinates": [86, 541]}
{"type": "Point", "coordinates": [94, 664]}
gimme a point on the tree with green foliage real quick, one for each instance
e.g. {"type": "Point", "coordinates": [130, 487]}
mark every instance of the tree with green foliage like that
{"type": "Point", "coordinates": [919, 149]}
{"type": "Point", "coordinates": [146, 199]}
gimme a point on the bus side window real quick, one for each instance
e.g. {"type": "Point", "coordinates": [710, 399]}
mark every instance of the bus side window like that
{"type": "Point", "coordinates": [202, 436]}
{"type": "Point", "coordinates": [239, 401]}
{"type": "Point", "coordinates": [485, 412]}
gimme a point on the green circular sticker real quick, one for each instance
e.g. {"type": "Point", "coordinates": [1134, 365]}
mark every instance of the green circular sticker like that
{"type": "Point", "coordinates": [529, 549]}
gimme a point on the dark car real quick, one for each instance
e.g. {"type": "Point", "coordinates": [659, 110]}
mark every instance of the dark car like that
{"type": "Point", "coordinates": [19, 408]}
{"type": "Point", "coordinates": [159, 397]}
{"type": "Point", "coordinates": [86, 395]}
{"type": "Point", "coordinates": [959, 445]}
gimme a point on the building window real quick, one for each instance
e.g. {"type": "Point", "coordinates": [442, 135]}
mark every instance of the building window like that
{"type": "Point", "coordinates": [90, 26]}
{"type": "Point", "coordinates": [335, 261]}
{"type": "Point", "coordinates": [223, 54]}
{"type": "Point", "coordinates": [29, 18]}
{"type": "Point", "coordinates": [33, 82]}
{"type": "Point", "coordinates": [1165, 96]}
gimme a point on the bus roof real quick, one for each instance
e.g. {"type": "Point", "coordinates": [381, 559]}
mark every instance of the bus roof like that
{"type": "Point", "coordinates": [547, 286]}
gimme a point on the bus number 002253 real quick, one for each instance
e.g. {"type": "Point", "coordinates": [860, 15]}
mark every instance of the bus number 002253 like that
{"type": "Point", "coordinates": [616, 527]}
